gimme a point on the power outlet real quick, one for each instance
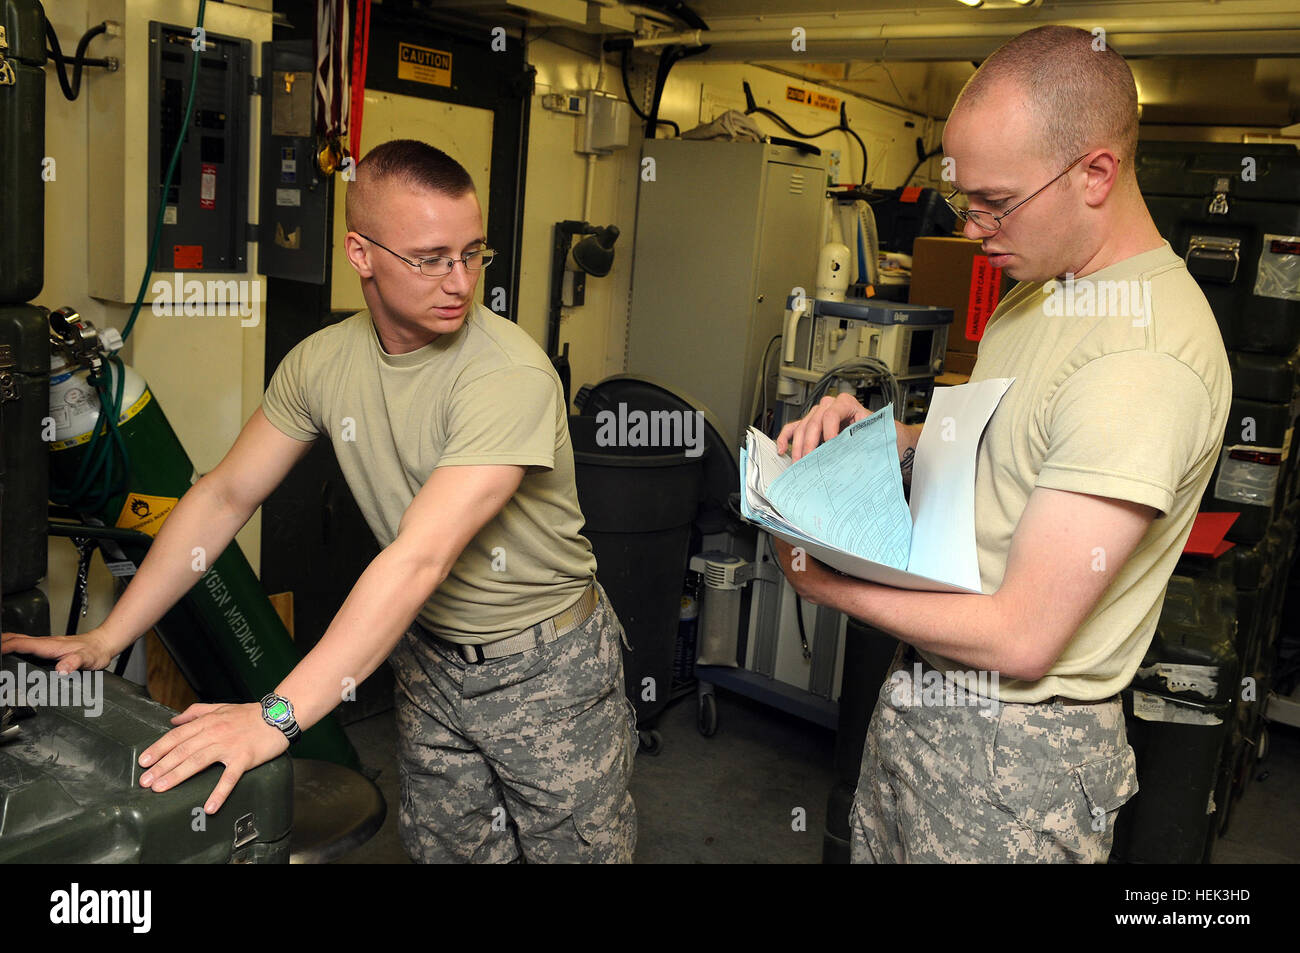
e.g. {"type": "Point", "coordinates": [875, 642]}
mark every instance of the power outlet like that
{"type": "Point", "coordinates": [573, 104]}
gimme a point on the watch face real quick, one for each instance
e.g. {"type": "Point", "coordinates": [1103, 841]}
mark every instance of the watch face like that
{"type": "Point", "coordinates": [278, 711]}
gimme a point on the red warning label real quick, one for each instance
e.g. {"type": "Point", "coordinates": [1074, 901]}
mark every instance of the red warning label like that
{"type": "Point", "coordinates": [985, 289]}
{"type": "Point", "coordinates": [208, 186]}
{"type": "Point", "coordinates": [187, 257]}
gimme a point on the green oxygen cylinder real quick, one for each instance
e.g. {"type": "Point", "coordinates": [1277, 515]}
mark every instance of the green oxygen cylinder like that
{"type": "Point", "coordinates": [22, 150]}
{"type": "Point", "coordinates": [224, 634]}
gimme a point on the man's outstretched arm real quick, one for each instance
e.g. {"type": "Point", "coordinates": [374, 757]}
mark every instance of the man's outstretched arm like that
{"type": "Point", "coordinates": [450, 509]}
{"type": "Point", "coordinates": [195, 533]}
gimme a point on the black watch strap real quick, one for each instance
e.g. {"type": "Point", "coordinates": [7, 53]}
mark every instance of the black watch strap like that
{"type": "Point", "coordinates": [287, 723]}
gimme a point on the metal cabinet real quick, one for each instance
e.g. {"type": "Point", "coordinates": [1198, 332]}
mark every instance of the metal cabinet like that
{"type": "Point", "coordinates": [724, 232]}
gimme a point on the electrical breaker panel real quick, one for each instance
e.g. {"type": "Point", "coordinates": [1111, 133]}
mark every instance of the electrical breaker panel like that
{"type": "Point", "coordinates": [136, 115]}
{"type": "Point", "coordinates": [205, 219]}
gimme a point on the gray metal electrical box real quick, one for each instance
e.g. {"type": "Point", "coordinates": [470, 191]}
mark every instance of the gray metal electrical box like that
{"type": "Point", "coordinates": [295, 201]}
{"type": "Point", "coordinates": [724, 231]}
{"type": "Point", "coordinates": [205, 225]}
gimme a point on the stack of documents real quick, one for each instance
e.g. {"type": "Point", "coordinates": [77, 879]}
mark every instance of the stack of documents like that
{"type": "Point", "coordinates": [843, 503]}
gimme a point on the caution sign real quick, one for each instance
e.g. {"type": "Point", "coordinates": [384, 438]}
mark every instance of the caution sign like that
{"type": "Point", "coordinates": [420, 64]}
{"type": "Point", "coordinates": [794, 94]}
{"type": "Point", "coordinates": [145, 514]}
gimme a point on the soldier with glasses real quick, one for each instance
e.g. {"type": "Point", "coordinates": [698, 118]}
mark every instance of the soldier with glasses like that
{"type": "Point", "coordinates": [1087, 481]}
{"type": "Point", "coordinates": [515, 740]}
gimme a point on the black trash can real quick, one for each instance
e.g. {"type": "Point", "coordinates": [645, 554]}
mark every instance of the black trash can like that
{"type": "Point", "coordinates": [1179, 712]}
{"type": "Point", "coordinates": [639, 503]}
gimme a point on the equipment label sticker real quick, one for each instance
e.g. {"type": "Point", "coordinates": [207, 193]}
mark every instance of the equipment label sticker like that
{"type": "Point", "coordinates": [420, 64]}
{"type": "Point", "coordinates": [145, 514]}
{"type": "Point", "coordinates": [208, 186]}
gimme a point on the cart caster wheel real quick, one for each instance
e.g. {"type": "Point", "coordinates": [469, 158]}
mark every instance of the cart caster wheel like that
{"type": "Point", "coordinates": [651, 741]}
{"type": "Point", "coordinates": [707, 716]}
{"type": "Point", "coordinates": [1262, 751]}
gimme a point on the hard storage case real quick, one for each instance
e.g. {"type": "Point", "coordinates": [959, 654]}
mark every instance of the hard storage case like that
{"type": "Point", "coordinates": [1233, 212]}
{"type": "Point", "coordinates": [69, 787]}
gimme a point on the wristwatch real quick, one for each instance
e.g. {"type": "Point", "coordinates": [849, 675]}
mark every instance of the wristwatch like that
{"type": "Point", "coordinates": [277, 711]}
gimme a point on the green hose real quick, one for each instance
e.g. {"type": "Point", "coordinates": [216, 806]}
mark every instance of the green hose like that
{"type": "Point", "coordinates": [94, 484]}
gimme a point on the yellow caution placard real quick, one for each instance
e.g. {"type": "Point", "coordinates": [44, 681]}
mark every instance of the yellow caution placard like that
{"type": "Point", "coordinates": [421, 64]}
{"type": "Point", "coordinates": [794, 94]}
{"type": "Point", "coordinates": [145, 514]}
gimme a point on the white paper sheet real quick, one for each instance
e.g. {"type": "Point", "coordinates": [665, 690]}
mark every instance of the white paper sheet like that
{"type": "Point", "coordinates": [943, 482]}
{"type": "Point", "coordinates": [942, 555]}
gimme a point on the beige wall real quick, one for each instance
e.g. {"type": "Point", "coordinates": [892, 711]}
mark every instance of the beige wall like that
{"type": "Point", "coordinates": [695, 92]}
{"type": "Point", "coordinates": [205, 371]}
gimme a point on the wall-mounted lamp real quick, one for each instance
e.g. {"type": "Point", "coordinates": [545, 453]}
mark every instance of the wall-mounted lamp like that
{"type": "Point", "coordinates": [570, 266]}
{"type": "Point", "coordinates": [595, 253]}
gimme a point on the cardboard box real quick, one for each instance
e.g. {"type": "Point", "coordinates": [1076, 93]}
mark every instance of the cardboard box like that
{"type": "Point", "coordinates": [958, 362]}
{"type": "Point", "coordinates": [952, 273]}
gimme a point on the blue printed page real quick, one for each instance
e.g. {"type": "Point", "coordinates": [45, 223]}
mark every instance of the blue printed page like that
{"type": "Point", "coordinates": [848, 493]}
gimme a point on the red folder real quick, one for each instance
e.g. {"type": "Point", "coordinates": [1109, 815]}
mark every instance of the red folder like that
{"type": "Point", "coordinates": [1207, 534]}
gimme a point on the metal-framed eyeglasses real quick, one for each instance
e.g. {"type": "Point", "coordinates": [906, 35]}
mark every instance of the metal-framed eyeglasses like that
{"type": "Point", "coordinates": [987, 220]}
{"type": "Point", "coordinates": [440, 266]}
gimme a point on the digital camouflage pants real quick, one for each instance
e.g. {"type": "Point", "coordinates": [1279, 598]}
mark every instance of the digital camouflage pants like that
{"type": "Point", "coordinates": [1007, 783]}
{"type": "Point", "coordinates": [525, 757]}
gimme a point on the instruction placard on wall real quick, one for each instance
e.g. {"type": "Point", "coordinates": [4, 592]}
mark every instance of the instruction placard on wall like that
{"type": "Point", "coordinates": [421, 64]}
{"type": "Point", "coordinates": [796, 95]}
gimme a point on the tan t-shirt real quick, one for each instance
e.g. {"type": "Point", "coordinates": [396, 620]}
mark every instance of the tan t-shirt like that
{"type": "Point", "coordinates": [1122, 389]}
{"type": "Point", "coordinates": [486, 394]}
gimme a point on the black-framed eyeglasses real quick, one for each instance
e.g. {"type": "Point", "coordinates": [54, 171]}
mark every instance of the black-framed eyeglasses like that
{"type": "Point", "coordinates": [987, 220]}
{"type": "Point", "coordinates": [440, 267]}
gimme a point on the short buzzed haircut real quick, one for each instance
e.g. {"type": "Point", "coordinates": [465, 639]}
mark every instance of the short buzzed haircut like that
{"type": "Point", "coordinates": [1081, 91]}
{"type": "Point", "coordinates": [413, 163]}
